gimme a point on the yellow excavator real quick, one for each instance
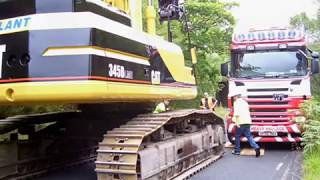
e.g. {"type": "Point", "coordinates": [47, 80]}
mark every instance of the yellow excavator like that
{"type": "Point", "coordinates": [94, 54]}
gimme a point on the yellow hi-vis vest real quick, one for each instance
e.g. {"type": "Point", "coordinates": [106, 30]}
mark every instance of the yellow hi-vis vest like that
{"type": "Point", "coordinates": [210, 103]}
{"type": "Point", "coordinates": [161, 107]}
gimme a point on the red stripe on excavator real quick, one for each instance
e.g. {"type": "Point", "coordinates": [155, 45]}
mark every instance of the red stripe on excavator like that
{"type": "Point", "coordinates": [73, 78]}
{"type": "Point", "coordinates": [69, 78]}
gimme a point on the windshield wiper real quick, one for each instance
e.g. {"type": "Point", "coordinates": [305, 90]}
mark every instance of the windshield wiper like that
{"type": "Point", "coordinates": [253, 76]}
{"type": "Point", "coordinates": [247, 77]}
{"type": "Point", "coordinates": [276, 76]}
{"type": "Point", "coordinates": [283, 76]}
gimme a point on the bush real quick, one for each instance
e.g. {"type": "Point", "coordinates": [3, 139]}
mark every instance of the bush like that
{"type": "Point", "coordinates": [311, 135]}
{"type": "Point", "coordinates": [311, 139]}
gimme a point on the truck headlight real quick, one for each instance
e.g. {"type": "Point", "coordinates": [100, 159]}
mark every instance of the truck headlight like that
{"type": "Point", "coordinates": [299, 119]}
{"type": "Point", "coordinates": [296, 112]}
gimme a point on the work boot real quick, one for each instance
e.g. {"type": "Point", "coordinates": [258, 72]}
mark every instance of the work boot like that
{"type": "Point", "coordinates": [257, 152]}
{"type": "Point", "coordinates": [235, 153]}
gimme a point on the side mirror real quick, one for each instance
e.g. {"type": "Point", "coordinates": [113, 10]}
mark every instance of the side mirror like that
{"type": "Point", "coordinates": [315, 63]}
{"type": "Point", "coordinates": [315, 66]}
{"type": "Point", "coordinates": [315, 55]}
{"type": "Point", "coordinates": [224, 69]}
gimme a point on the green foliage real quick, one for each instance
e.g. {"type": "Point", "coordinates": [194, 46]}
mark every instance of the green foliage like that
{"type": "Point", "coordinates": [312, 28]}
{"type": "Point", "coordinates": [312, 165]}
{"type": "Point", "coordinates": [303, 21]}
{"type": "Point", "coordinates": [311, 139]}
{"type": "Point", "coordinates": [311, 136]}
{"type": "Point", "coordinates": [212, 26]}
{"type": "Point", "coordinates": [221, 111]}
{"type": "Point", "coordinates": [208, 74]}
{"type": "Point", "coordinates": [211, 29]}
{"type": "Point", "coordinates": [315, 84]}
{"type": "Point", "coordinates": [184, 104]}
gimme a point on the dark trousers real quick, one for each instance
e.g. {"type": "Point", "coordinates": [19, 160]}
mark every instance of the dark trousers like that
{"type": "Point", "coordinates": [244, 130]}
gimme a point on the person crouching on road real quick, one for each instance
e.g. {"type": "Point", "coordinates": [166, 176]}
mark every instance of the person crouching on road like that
{"type": "Point", "coordinates": [162, 107]}
{"type": "Point", "coordinates": [242, 118]}
{"type": "Point", "coordinates": [208, 102]}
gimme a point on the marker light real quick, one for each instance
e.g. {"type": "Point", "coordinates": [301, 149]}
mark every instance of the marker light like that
{"type": "Point", "coordinates": [251, 37]}
{"type": "Point", "coordinates": [292, 34]}
{"type": "Point", "coordinates": [283, 46]}
{"type": "Point", "coordinates": [281, 35]}
{"type": "Point", "coordinates": [241, 37]}
{"type": "Point", "coordinates": [271, 36]}
{"type": "Point", "coordinates": [261, 36]}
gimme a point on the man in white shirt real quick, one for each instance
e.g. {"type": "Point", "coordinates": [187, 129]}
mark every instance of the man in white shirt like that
{"type": "Point", "coordinates": [242, 118]}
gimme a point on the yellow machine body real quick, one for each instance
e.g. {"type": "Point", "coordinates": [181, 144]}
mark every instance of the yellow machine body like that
{"type": "Point", "coordinates": [88, 58]}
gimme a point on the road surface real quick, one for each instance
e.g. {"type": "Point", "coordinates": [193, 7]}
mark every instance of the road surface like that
{"type": "Point", "coordinates": [278, 163]}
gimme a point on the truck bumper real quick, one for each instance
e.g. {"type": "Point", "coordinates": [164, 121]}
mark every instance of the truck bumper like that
{"type": "Point", "coordinates": [284, 133]}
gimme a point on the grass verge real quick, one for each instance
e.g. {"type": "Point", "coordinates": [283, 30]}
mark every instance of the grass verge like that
{"type": "Point", "coordinates": [312, 164]}
{"type": "Point", "coordinates": [221, 111]}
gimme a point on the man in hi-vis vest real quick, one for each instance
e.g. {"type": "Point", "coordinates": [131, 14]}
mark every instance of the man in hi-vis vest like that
{"type": "Point", "coordinates": [208, 102]}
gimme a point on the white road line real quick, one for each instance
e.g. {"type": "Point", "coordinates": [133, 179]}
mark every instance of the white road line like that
{"type": "Point", "coordinates": [279, 166]}
{"type": "Point", "coordinates": [286, 173]}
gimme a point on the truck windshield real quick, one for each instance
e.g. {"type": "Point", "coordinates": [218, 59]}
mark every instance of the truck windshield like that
{"type": "Point", "coordinates": [269, 64]}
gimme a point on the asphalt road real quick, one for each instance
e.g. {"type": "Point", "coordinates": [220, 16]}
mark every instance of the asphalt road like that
{"type": "Point", "coordinates": [83, 172]}
{"type": "Point", "coordinates": [278, 163]}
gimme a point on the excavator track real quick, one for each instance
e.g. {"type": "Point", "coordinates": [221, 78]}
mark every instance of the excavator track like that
{"type": "Point", "coordinates": [52, 147]}
{"type": "Point", "coordinates": [160, 146]}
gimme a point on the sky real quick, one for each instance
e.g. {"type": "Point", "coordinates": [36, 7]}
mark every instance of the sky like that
{"type": "Point", "coordinates": [270, 13]}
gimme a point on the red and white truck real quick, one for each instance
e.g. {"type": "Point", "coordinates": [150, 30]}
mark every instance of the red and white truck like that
{"type": "Point", "coordinates": [271, 68]}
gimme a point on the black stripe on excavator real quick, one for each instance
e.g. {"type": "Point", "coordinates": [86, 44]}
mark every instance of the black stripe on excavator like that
{"type": "Point", "coordinates": [14, 8]}
{"type": "Point", "coordinates": [109, 40]}
{"type": "Point", "coordinates": [35, 43]}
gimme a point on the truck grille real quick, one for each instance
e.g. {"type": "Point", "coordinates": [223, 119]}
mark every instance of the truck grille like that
{"type": "Point", "coordinates": [264, 96]}
{"type": "Point", "coordinates": [269, 103]}
{"type": "Point", "coordinates": [268, 90]}
{"type": "Point", "coordinates": [265, 110]}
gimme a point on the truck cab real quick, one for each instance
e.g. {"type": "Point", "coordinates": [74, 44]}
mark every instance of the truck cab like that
{"type": "Point", "coordinates": [270, 68]}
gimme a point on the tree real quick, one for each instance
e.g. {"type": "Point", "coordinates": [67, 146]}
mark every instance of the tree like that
{"type": "Point", "coordinates": [211, 29]}
{"type": "Point", "coordinates": [312, 29]}
{"type": "Point", "coordinates": [311, 26]}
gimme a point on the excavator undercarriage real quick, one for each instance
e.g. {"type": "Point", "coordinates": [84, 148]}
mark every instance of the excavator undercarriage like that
{"type": "Point", "coordinates": [160, 146]}
{"type": "Point", "coordinates": [144, 146]}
